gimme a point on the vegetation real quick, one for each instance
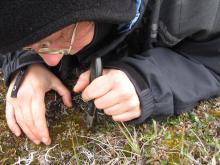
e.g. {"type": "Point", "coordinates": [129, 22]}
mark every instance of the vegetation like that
{"type": "Point", "coordinates": [192, 138]}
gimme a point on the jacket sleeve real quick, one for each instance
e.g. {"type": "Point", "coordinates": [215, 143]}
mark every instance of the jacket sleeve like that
{"type": "Point", "coordinates": [174, 83]}
{"type": "Point", "coordinates": [17, 60]}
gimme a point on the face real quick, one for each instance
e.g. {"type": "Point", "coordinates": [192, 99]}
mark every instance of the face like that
{"type": "Point", "coordinates": [61, 40]}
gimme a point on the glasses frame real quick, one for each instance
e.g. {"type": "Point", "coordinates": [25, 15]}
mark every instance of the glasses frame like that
{"type": "Point", "coordinates": [46, 50]}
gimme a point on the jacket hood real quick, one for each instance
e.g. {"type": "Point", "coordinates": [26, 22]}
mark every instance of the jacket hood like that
{"type": "Point", "coordinates": [25, 22]}
{"type": "Point", "coordinates": [108, 39]}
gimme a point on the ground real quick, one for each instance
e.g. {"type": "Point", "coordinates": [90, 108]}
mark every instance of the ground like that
{"type": "Point", "coordinates": [192, 138]}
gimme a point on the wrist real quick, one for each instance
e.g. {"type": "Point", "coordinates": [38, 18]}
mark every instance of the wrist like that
{"type": "Point", "coordinates": [17, 81]}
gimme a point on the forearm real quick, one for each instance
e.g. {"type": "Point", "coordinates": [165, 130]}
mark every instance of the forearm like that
{"type": "Point", "coordinates": [174, 83]}
{"type": "Point", "coordinates": [17, 60]}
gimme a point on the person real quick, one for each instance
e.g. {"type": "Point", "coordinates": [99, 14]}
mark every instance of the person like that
{"type": "Point", "coordinates": [160, 58]}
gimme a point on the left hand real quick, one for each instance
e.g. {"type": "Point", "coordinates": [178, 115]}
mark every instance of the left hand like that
{"type": "Point", "coordinates": [113, 92]}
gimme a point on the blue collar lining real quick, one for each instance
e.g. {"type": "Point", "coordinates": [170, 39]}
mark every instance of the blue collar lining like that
{"type": "Point", "coordinates": [128, 26]}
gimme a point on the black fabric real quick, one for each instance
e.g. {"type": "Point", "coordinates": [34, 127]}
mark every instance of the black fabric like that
{"type": "Point", "coordinates": [134, 76]}
{"type": "Point", "coordinates": [18, 82]}
{"type": "Point", "coordinates": [175, 78]}
{"type": "Point", "coordinates": [17, 60]}
{"type": "Point", "coordinates": [104, 33]}
{"type": "Point", "coordinates": [141, 87]}
{"type": "Point", "coordinates": [2, 58]}
{"type": "Point", "coordinates": [25, 22]}
{"type": "Point", "coordinates": [175, 83]}
{"type": "Point", "coordinates": [206, 52]}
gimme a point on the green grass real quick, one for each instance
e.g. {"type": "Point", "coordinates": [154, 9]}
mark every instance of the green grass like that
{"type": "Point", "coordinates": [192, 138]}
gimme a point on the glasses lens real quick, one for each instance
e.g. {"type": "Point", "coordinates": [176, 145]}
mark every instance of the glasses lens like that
{"type": "Point", "coordinates": [53, 52]}
{"type": "Point", "coordinates": [44, 46]}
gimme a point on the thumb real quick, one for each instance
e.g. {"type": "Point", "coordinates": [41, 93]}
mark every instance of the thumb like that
{"type": "Point", "coordinates": [59, 87]}
{"type": "Point", "coordinates": [82, 82]}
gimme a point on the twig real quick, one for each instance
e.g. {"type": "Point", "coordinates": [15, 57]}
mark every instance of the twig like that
{"type": "Point", "coordinates": [88, 154]}
{"type": "Point", "coordinates": [113, 161]}
{"type": "Point", "coordinates": [46, 156]}
{"type": "Point", "coordinates": [196, 162]}
{"type": "Point", "coordinates": [94, 140]}
{"type": "Point", "coordinates": [1, 150]}
{"type": "Point", "coordinates": [27, 161]}
{"type": "Point", "coordinates": [200, 142]}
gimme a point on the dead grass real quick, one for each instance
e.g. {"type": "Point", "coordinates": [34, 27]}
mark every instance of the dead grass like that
{"type": "Point", "coordinates": [192, 138]}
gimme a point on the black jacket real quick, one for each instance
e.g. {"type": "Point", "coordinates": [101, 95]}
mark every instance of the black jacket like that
{"type": "Point", "coordinates": [171, 56]}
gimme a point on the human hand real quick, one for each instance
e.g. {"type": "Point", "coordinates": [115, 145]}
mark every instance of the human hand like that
{"type": "Point", "coordinates": [27, 111]}
{"type": "Point", "coordinates": [113, 92]}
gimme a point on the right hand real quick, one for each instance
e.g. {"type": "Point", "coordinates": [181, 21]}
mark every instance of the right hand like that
{"type": "Point", "coordinates": [27, 111]}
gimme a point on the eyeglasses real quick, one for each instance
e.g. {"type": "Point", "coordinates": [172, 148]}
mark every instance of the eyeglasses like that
{"type": "Point", "coordinates": [45, 46]}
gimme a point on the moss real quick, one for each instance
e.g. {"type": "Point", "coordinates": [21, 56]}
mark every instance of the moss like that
{"type": "Point", "coordinates": [215, 113]}
{"type": "Point", "coordinates": [184, 139]}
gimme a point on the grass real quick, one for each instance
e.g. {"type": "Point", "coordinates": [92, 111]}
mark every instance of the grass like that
{"type": "Point", "coordinates": [192, 138]}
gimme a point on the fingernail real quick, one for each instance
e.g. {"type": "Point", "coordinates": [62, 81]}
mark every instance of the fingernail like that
{"type": "Point", "coordinates": [46, 141]}
{"type": "Point", "coordinates": [70, 103]}
{"type": "Point", "coordinates": [85, 99]}
{"type": "Point", "coordinates": [75, 88]}
{"type": "Point", "coordinates": [17, 134]}
{"type": "Point", "coordinates": [37, 142]}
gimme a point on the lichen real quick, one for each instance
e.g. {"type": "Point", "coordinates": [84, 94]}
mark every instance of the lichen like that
{"type": "Point", "coordinates": [191, 138]}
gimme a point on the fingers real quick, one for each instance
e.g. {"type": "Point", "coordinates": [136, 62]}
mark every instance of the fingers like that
{"type": "Point", "coordinates": [29, 116]}
{"type": "Point", "coordinates": [39, 110]}
{"type": "Point", "coordinates": [99, 87]}
{"type": "Point", "coordinates": [58, 86]}
{"type": "Point", "coordinates": [115, 110]}
{"type": "Point", "coordinates": [113, 92]}
{"type": "Point", "coordinates": [82, 82]}
{"type": "Point", "coordinates": [15, 119]}
{"type": "Point", "coordinates": [21, 121]}
{"type": "Point", "coordinates": [20, 118]}
{"type": "Point", "coordinates": [127, 116]}
{"type": "Point", "coordinates": [27, 111]}
{"type": "Point", "coordinates": [107, 100]}
{"type": "Point", "coordinates": [132, 105]}
{"type": "Point", "coordinates": [10, 117]}
{"type": "Point", "coordinates": [111, 98]}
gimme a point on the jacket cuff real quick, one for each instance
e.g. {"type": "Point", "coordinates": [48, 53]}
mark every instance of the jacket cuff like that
{"type": "Point", "coordinates": [144, 93]}
{"type": "Point", "coordinates": [21, 60]}
{"type": "Point", "coordinates": [147, 107]}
